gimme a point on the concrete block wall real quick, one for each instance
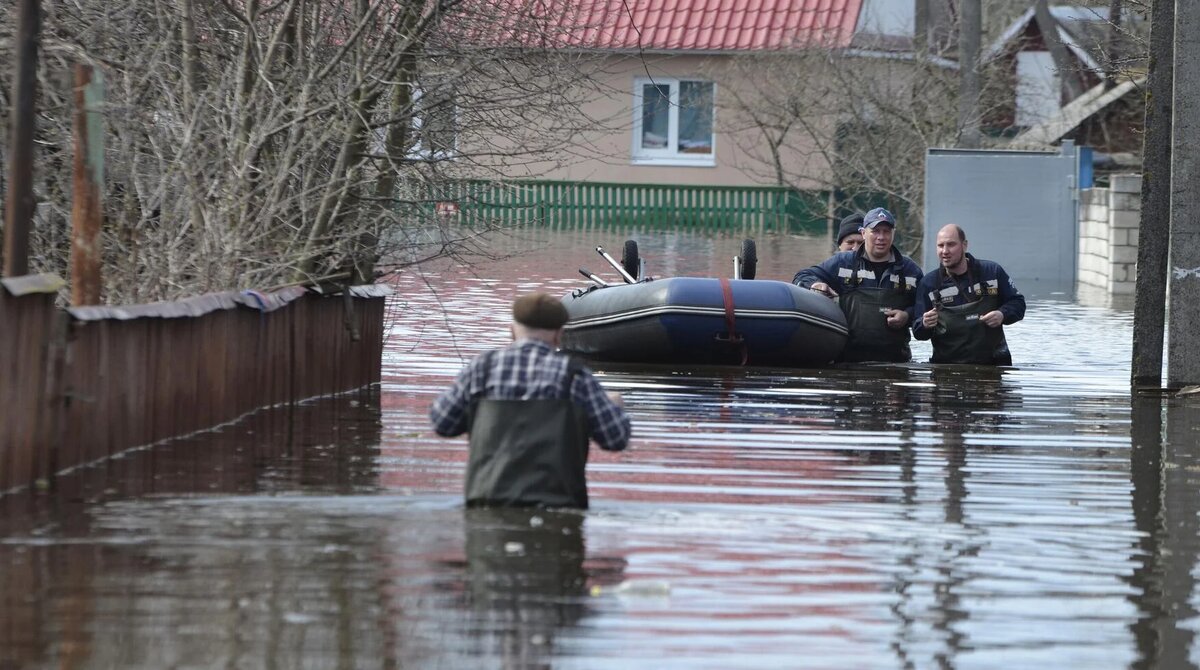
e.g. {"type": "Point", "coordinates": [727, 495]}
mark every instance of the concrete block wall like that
{"type": "Point", "coordinates": [1108, 235]}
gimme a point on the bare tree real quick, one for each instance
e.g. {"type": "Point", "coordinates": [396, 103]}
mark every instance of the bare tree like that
{"type": "Point", "coordinates": [852, 123]}
{"type": "Point", "coordinates": [257, 143]}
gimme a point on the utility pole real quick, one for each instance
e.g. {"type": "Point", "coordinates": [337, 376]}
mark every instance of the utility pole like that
{"type": "Point", "coordinates": [1150, 298]}
{"type": "Point", "coordinates": [1183, 359]}
{"type": "Point", "coordinates": [19, 207]}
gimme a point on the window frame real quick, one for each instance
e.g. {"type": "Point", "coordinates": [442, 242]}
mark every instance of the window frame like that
{"type": "Point", "coordinates": [669, 156]}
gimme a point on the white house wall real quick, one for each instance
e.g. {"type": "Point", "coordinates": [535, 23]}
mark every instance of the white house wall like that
{"type": "Point", "coordinates": [604, 154]}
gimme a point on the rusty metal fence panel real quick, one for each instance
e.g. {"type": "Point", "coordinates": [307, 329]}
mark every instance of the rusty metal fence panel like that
{"type": "Point", "coordinates": [27, 327]}
{"type": "Point", "coordinates": [137, 375]}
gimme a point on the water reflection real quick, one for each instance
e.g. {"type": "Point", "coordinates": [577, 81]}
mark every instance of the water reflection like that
{"type": "Point", "coordinates": [1164, 468]}
{"type": "Point", "coordinates": [527, 581]}
{"type": "Point", "coordinates": [858, 516]}
{"type": "Point", "coordinates": [90, 579]}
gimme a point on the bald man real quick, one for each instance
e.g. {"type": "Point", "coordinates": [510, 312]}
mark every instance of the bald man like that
{"type": "Point", "coordinates": [965, 304]}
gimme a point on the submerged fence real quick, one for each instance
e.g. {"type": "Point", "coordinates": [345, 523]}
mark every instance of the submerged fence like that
{"type": "Point", "coordinates": [84, 384]}
{"type": "Point", "coordinates": [570, 204]}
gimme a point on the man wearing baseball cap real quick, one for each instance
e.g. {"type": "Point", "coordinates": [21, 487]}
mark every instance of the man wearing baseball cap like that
{"type": "Point", "coordinates": [529, 412]}
{"type": "Point", "coordinates": [875, 285]}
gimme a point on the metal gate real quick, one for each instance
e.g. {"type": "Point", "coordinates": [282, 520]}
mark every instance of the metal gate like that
{"type": "Point", "coordinates": [1018, 208]}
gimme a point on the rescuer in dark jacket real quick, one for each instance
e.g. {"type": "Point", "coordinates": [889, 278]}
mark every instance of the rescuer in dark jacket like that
{"type": "Point", "coordinates": [965, 304]}
{"type": "Point", "coordinates": [529, 412]}
{"type": "Point", "coordinates": [876, 288]}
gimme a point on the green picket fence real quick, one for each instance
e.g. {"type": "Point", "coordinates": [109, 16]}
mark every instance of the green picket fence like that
{"type": "Point", "coordinates": [602, 204]}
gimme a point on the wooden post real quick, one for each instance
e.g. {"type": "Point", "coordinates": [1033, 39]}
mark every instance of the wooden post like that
{"type": "Point", "coordinates": [19, 203]}
{"type": "Point", "coordinates": [87, 208]}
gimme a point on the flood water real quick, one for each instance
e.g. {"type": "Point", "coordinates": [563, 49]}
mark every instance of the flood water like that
{"type": "Point", "coordinates": [861, 517]}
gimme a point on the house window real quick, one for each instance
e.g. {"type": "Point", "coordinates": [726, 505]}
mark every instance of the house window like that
{"type": "Point", "coordinates": [434, 123]}
{"type": "Point", "coordinates": [673, 122]}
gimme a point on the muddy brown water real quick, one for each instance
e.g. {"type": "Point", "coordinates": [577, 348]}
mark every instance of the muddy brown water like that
{"type": "Point", "coordinates": [869, 517]}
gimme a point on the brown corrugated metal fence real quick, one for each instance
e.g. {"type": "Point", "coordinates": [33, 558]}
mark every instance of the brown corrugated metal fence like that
{"type": "Point", "coordinates": [28, 323]}
{"type": "Point", "coordinates": [111, 378]}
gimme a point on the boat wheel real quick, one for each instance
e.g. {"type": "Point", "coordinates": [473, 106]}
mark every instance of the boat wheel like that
{"type": "Point", "coordinates": [630, 260]}
{"type": "Point", "coordinates": [749, 259]}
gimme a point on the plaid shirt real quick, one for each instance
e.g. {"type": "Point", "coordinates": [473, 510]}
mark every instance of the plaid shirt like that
{"type": "Point", "coordinates": [529, 370]}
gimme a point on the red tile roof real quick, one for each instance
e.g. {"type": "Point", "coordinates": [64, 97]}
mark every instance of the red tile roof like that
{"type": "Point", "coordinates": [670, 25]}
{"type": "Point", "coordinates": [714, 25]}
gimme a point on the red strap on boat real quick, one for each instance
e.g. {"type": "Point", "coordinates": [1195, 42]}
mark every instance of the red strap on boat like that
{"type": "Point", "coordinates": [730, 319]}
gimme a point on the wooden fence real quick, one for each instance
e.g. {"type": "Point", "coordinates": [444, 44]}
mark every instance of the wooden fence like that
{"type": "Point", "coordinates": [603, 204]}
{"type": "Point", "coordinates": [83, 384]}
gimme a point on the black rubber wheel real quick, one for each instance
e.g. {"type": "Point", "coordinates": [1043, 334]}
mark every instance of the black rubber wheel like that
{"type": "Point", "coordinates": [749, 259]}
{"type": "Point", "coordinates": [630, 260]}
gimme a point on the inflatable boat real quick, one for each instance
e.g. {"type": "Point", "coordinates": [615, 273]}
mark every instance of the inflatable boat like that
{"type": "Point", "coordinates": [698, 320]}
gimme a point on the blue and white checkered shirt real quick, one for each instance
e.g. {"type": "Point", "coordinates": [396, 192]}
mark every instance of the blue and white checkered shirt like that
{"type": "Point", "coordinates": [529, 370]}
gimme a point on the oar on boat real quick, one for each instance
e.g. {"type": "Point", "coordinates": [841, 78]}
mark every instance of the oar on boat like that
{"type": "Point", "coordinates": [617, 266]}
{"type": "Point", "coordinates": [588, 273]}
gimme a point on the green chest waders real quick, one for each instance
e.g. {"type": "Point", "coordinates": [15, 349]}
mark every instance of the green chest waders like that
{"type": "Point", "coordinates": [961, 337]}
{"type": "Point", "coordinates": [528, 452]}
{"type": "Point", "coordinates": [871, 339]}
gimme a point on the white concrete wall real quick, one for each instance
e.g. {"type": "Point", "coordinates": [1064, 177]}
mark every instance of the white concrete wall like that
{"type": "Point", "coordinates": [1108, 235]}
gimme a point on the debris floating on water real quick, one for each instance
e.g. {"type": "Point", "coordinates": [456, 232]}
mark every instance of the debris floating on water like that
{"type": "Point", "coordinates": [636, 588]}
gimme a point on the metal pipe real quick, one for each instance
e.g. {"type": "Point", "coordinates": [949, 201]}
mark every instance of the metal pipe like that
{"type": "Point", "coordinates": [737, 267]}
{"type": "Point", "coordinates": [611, 261]}
{"type": "Point", "coordinates": [87, 202]}
{"type": "Point", "coordinates": [589, 275]}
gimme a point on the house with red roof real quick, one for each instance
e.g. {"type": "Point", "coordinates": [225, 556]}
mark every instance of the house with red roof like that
{"type": "Point", "coordinates": [669, 72]}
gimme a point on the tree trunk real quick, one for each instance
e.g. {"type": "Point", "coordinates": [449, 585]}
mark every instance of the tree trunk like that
{"type": "Point", "coordinates": [1113, 62]}
{"type": "Point", "coordinates": [20, 204]}
{"type": "Point", "coordinates": [400, 111]}
{"type": "Point", "coordinates": [970, 33]}
{"type": "Point", "coordinates": [188, 53]}
{"type": "Point", "coordinates": [1068, 72]}
{"type": "Point", "coordinates": [921, 27]}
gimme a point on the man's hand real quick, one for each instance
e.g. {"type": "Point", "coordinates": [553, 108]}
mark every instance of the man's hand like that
{"type": "Point", "coordinates": [822, 287]}
{"type": "Point", "coordinates": [929, 319]}
{"type": "Point", "coordinates": [897, 318]}
{"type": "Point", "coordinates": [616, 398]}
{"type": "Point", "coordinates": [993, 319]}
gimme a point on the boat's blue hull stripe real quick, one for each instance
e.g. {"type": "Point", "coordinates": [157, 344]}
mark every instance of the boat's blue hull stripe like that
{"type": "Point", "coordinates": [661, 310]}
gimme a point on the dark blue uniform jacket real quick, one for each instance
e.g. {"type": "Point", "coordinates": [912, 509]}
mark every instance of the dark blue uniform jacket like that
{"type": "Point", "coordinates": [981, 278]}
{"type": "Point", "coordinates": [837, 271]}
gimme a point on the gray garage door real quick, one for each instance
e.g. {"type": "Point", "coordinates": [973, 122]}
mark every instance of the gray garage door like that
{"type": "Point", "coordinates": [1018, 208]}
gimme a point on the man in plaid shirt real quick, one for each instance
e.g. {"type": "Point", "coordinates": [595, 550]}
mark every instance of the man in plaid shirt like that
{"type": "Point", "coordinates": [529, 412]}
